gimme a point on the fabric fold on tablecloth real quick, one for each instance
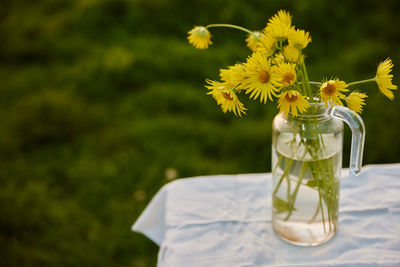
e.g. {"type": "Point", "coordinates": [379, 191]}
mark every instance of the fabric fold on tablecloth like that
{"type": "Point", "coordinates": [225, 220]}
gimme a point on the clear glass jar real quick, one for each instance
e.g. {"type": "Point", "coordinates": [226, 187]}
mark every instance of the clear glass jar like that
{"type": "Point", "coordinates": [306, 165]}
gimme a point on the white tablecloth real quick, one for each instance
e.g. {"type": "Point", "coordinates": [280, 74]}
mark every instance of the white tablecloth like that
{"type": "Point", "coordinates": [226, 221]}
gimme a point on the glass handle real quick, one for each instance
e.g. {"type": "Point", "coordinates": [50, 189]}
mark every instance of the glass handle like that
{"type": "Point", "coordinates": [357, 127]}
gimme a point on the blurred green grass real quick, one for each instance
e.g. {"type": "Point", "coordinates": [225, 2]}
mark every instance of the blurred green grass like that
{"type": "Point", "coordinates": [101, 99]}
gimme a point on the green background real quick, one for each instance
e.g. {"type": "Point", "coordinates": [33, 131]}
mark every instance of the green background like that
{"type": "Point", "coordinates": [103, 101]}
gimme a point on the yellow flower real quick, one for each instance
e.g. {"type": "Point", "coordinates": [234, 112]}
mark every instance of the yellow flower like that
{"type": "Point", "coordinates": [254, 40]}
{"type": "Point", "coordinates": [281, 17]}
{"type": "Point", "coordinates": [299, 39]}
{"type": "Point", "coordinates": [291, 101]}
{"type": "Point", "coordinates": [384, 78]}
{"type": "Point", "coordinates": [355, 101]}
{"type": "Point", "coordinates": [233, 75]}
{"type": "Point", "coordinates": [268, 43]}
{"type": "Point", "coordinates": [280, 26]}
{"type": "Point", "coordinates": [278, 31]}
{"type": "Point", "coordinates": [199, 37]}
{"type": "Point", "coordinates": [260, 79]}
{"type": "Point", "coordinates": [292, 54]}
{"type": "Point", "coordinates": [286, 73]}
{"type": "Point", "coordinates": [225, 97]}
{"type": "Point", "coordinates": [278, 58]}
{"type": "Point", "coordinates": [331, 92]}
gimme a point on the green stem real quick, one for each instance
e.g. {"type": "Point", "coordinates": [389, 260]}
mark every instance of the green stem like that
{"type": "Point", "coordinates": [229, 26]}
{"type": "Point", "coordinates": [307, 82]}
{"type": "Point", "coordinates": [298, 85]}
{"type": "Point", "coordinates": [362, 81]}
{"type": "Point", "coordinates": [318, 173]}
{"type": "Point", "coordinates": [288, 163]}
{"type": "Point", "coordinates": [277, 164]}
{"type": "Point", "coordinates": [321, 141]}
{"type": "Point", "coordinates": [332, 194]}
{"type": "Point", "coordinates": [280, 46]}
{"type": "Point", "coordinates": [316, 83]}
{"type": "Point", "coordinates": [234, 88]}
{"type": "Point", "coordinates": [288, 166]}
{"type": "Point", "coordinates": [320, 201]}
{"type": "Point", "coordinates": [302, 83]}
{"type": "Point", "coordinates": [288, 187]}
{"type": "Point", "coordinates": [315, 214]}
{"type": "Point", "coordinates": [241, 29]}
{"type": "Point", "coordinates": [292, 198]}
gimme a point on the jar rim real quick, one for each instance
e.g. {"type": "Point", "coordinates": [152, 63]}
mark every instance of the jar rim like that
{"type": "Point", "coordinates": [317, 110]}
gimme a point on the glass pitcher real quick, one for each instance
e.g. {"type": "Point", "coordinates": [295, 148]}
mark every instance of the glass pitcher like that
{"type": "Point", "coordinates": [306, 165]}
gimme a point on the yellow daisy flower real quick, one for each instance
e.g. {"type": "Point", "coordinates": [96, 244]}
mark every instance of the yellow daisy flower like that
{"type": "Point", "coordinates": [331, 92]}
{"type": "Point", "coordinates": [199, 37]}
{"type": "Point", "coordinates": [268, 43]}
{"type": "Point", "coordinates": [281, 17]}
{"type": "Point", "coordinates": [233, 75]}
{"type": "Point", "coordinates": [280, 26]}
{"type": "Point", "coordinates": [279, 31]}
{"type": "Point", "coordinates": [278, 58]}
{"type": "Point", "coordinates": [286, 73]}
{"type": "Point", "coordinates": [292, 54]}
{"type": "Point", "coordinates": [299, 39]}
{"type": "Point", "coordinates": [254, 41]}
{"type": "Point", "coordinates": [260, 79]}
{"type": "Point", "coordinates": [292, 101]}
{"type": "Point", "coordinates": [225, 97]}
{"type": "Point", "coordinates": [384, 78]}
{"type": "Point", "coordinates": [355, 101]}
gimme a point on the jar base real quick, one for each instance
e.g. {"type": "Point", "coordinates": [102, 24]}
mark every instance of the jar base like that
{"type": "Point", "coordinates": [302, 233]}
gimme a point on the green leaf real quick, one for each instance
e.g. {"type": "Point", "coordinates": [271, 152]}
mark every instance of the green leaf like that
{"type": "Point", "coordinates": [281, 205]}
{"type": "Point", "coordinates": [311, 184]}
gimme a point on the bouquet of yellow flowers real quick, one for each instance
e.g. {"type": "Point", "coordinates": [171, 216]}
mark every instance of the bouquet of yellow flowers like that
{"type": "Point", "coordinates": [307, 132]}
{"type": "Point", "coordinates": [277, 68]}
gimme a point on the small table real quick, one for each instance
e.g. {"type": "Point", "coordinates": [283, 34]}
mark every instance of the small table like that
{"type": "Point", "coordinates": [225, 220]}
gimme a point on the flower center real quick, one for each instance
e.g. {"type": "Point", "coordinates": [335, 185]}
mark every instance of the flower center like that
{"type": "Point", "coordinates": [227, 96]}
{"type": "Point", "coordinates": [288, 77]}
{"type": "Point", "coordinates": [263, 76]}
{"type": "Point", "coordinates": [329, 89]}
{"type": "Point", "coordinates": [291, 98]}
